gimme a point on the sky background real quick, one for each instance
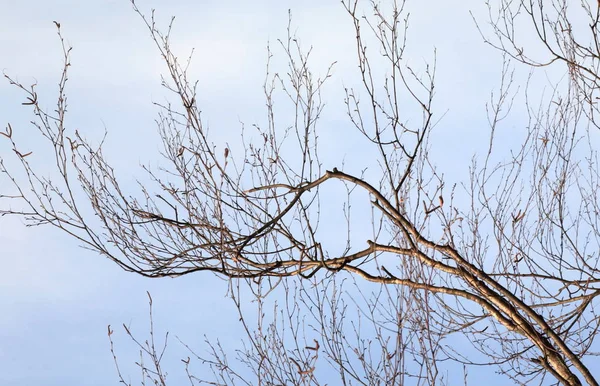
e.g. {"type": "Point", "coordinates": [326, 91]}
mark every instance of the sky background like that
{"type": "Point", "coordinates": [56, 299]}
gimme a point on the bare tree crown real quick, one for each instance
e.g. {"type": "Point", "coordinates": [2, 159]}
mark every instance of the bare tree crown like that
{"type": "Point", "coordinates": [512, 265]}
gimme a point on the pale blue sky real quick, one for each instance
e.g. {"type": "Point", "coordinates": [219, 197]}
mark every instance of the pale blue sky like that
{"type": "Point", "coordinates": [57, 299]}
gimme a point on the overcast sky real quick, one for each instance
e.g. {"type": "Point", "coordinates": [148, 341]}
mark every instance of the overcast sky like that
{"type": "Point", "coordinates": [56, 299]}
